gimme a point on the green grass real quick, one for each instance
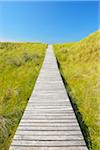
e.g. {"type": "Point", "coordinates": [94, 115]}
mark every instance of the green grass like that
{"type": "Point", "coordinates": [19, 67]}
{"type": "Point", "coordinates": [80, 64]}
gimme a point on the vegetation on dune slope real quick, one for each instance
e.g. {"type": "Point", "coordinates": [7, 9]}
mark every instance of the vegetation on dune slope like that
{"type": "Point", "coordinates": [19, 67]}
{"type": "Point", "coordinates": [80, 64]}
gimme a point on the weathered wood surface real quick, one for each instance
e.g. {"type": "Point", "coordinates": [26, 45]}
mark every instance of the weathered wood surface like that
{"type": "Point", "coordinates": [49, 122]}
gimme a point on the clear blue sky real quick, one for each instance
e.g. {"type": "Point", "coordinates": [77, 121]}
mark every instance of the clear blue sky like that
{"type": "Point", "coordinates": [50, 22]}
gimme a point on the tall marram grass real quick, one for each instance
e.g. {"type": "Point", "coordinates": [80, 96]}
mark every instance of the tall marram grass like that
{"type": "Point", "coordinates": [19, 67]}
{"type": "Point", "coordinates": [80, 64]}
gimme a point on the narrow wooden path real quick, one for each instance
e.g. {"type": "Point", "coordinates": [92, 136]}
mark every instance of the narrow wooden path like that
{"type": "Point", "coordinates": [49, 122]}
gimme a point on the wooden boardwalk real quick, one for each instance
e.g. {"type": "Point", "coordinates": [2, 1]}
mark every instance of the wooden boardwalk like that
{"type": "Point", "coordinates": [49, 122]}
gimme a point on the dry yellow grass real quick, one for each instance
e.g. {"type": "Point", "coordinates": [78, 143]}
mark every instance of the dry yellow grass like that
{"type": "Point", "coordinates": [19, 67]}
{"type": "Point", "coordinates": [80, 64]}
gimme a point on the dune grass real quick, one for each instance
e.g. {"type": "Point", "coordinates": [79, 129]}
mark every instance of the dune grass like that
{"type": "Point", "coordinates": [80, 64]}
{"type": "Point", "coordinates": [19, 67]}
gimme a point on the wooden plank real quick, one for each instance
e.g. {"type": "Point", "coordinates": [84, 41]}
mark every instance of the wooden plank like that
{"type": "Point", "coordinates": [50, 106]}
{"type": "Point", "coordinates": [48, 133]}
{"type": "Point", "coordinates": [46, 109]}
{"type": "Point", "coordinates": [49, 121]}
{"type": "Point", "coordinates": [48, 148]}
{"type": "Point", "coordinates": [48, 128]}
{"type": "Point", "coordinates": [39, 114]}
{"type": "Point", "coordinates": [48, 117]}
{"type": "Point", "coordinates": [48, 143]}
{"type": "Point", "coordinates": [49, 124]}
{"type": "Point", "coordinates": [49, 110]}
{"type": "Point", "coordinates": [48, 96]}
{"type": "Point", "coordinates": [32, 113]}
{"type": "Point", "coordinates": [49, 138]}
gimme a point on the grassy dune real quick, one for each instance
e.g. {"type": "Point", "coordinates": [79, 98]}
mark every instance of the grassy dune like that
{"type": "Point", "coordinates": [19, 67]}
{"type": "Point", "coordinates": [80, 64]}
